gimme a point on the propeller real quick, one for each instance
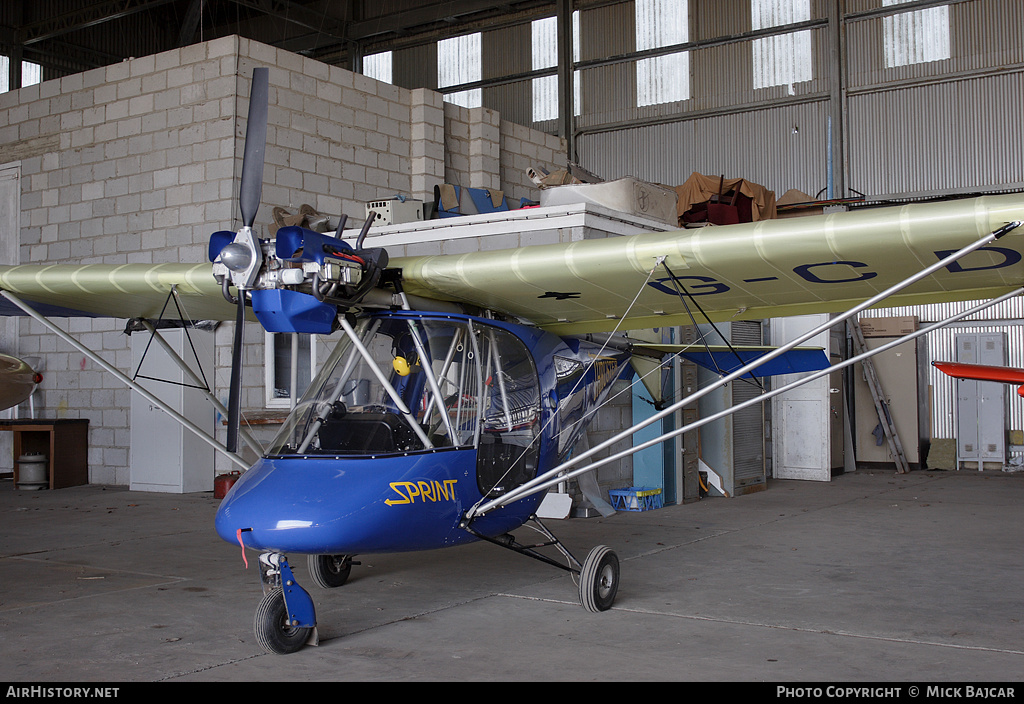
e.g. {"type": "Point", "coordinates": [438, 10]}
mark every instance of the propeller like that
{"type": "Point", "coordinates": [249, 195]}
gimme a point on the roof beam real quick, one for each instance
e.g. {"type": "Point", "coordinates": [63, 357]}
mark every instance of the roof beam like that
{"type": "Point", "coordinates": [94, 14]}
{"type": "Point", "coordinates": [293, 13]}
{"type": "Point", "coordinates": [401, 22]}
{"type": "Point", "coordinates": [191, 23]}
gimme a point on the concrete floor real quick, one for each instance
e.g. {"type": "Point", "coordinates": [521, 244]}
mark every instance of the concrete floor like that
{"type": "Point", "coordinates": [873, 577]}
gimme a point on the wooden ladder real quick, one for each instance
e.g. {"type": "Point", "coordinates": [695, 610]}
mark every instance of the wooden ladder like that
{"type": "Point", "coordinates": [881, 405]}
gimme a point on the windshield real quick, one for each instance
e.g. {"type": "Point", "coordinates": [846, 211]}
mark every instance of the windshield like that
{"type": "Point", "coordinates": [407, 384]}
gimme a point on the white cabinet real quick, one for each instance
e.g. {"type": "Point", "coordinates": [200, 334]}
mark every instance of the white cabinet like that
{"type": "Point", "coordinates": [802, 432]}
{"type": "Point", "coordinates": [164, 455]}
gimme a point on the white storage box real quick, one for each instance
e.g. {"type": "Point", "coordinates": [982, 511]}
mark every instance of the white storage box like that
{"type": "Point", "coordinates": [395, 211]}
{"type": "Point", "coordinates": [626, 195]}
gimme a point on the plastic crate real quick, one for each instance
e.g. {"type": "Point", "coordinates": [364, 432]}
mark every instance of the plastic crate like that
{"type": "Point", "coordinates": [636, 498]}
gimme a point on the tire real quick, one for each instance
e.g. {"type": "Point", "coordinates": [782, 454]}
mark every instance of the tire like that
{"type": "Point", "coordinates": [599, 579]}
{"type": "Point", "coordinates": [273, 631]}
{"type": "Point", "coordinates": [329, 571]}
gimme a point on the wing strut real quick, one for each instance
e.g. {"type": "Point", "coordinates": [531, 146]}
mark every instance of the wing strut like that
{"type": "Point", "coordinates": [185, 422]}
{"type": "Point", "coordinates": [550, 482]}
{"type": "Point", "coordinates": [680, 291]}
{"type": "Point", "coordinates": [559, 473]}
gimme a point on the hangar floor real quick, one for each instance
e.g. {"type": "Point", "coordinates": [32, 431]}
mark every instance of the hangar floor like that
{"type": "Point", "coordinates": [872, 577]}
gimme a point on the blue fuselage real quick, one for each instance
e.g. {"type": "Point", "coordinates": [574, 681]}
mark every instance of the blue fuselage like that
{"type": "Point", "coordinates": [319, 498]}
{"type": "Point", "coordinates": [360, 506]}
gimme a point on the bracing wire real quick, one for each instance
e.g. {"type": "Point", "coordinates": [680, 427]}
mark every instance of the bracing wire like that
{"type": "Point", "coordinates": [660, 260]}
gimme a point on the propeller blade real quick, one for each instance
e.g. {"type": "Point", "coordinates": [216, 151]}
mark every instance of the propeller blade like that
{"type": "Point", "coordinates": [251, 188]}
{"type": "Point", "coordinates": [249, 194]}
{"type": "Point", "coordinates": [235, 392]}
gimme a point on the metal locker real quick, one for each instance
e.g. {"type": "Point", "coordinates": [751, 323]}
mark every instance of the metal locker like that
{"type": "Point", "coordinates": [981, 406]}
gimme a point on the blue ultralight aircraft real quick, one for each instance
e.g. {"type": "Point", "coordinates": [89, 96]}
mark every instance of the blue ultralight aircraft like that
{"type": "Point", "coordinates": [462, 385]}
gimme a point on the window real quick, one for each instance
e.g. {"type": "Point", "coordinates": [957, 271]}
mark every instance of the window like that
{"type": "Point", "coordinates": [458, 62]}
{"type": "Point", "coordinates": [278, 367]}
{"type": "Point", "coordinates": [421, 383]}
{"type": "Point", "coordinates": [545, 55]}
{"type": "Point", "coordinates": [378, 66]}
{"type": "Point", "coordinates": [509, 439]}
{"type": "Point", "coordinates": [662, 79]}
{"type": "Point", "coordinates": [577, 81]}
{"type": "Point", "coordinates": [782, 59]}
{"type": "Point", "coordinates": [30, 73]}
{"type": "Point", "coordinates": [544, 51]}
{"type": "Point", "coordinates": [915, 37]}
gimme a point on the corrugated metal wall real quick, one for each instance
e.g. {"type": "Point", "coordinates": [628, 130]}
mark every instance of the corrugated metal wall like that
{"type": "Point", "coordinates": [910, 129]}
{"type": "Point", "coordinates": [783, 145]}
{"type": "Point", "coordinates": [950, 137]}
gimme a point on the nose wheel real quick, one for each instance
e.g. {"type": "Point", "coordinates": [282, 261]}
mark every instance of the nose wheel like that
{"type": "Point", "coordinates": [274, 626]}
{"type": "Point", "coordinates": [285, 620]}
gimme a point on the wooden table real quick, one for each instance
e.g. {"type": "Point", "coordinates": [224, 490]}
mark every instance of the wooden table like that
{"type": "Point", "coordinates": [64, 441]}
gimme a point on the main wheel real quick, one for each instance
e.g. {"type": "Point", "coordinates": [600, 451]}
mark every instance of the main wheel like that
{"type": "Point", "coordinates": [599, 579]}
{"type": "Point", "coordinates": [273, 628]}
{"type": "Point", "coordinates": [329, 571]}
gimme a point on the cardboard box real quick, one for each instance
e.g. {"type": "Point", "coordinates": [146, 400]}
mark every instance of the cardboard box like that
{"type": "Point", "coordinates": [888, 327]}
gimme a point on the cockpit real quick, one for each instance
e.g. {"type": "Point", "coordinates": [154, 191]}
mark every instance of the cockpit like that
{"type": "Point", "coordinates": [407, 383]}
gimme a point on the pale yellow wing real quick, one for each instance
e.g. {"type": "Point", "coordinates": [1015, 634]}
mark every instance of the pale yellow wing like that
{"type": "Point", "coordinates": [771, 268]}
{"type": "Point", "coordinates": [120, 291]}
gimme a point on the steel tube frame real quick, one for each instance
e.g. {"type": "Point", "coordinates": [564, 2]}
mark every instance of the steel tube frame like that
{"type": "Point", "coordinates": [323, 410]}
{"type": "Point", "coordinates": [399, 403]}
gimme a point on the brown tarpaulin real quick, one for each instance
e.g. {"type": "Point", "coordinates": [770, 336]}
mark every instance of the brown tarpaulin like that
{"type": "Point", "coordinates": [699, 189]}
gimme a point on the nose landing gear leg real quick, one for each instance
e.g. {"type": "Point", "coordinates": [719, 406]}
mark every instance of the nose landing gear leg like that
{"type": "Point", "coordinates": [285, 620]}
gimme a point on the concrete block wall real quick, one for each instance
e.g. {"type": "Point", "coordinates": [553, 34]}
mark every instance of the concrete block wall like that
{"type": "Point", "coordinates": [131, 163]}
{"type": "Point", "coordinates": [140, 162]}
{"type": "Point", "coordinates": [522, 148]}
{"type": "Point", "coordinates": [484, 151]}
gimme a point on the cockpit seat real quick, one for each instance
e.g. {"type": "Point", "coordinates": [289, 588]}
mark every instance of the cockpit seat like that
{"type": "Point", "coordinates": [367, 434]}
